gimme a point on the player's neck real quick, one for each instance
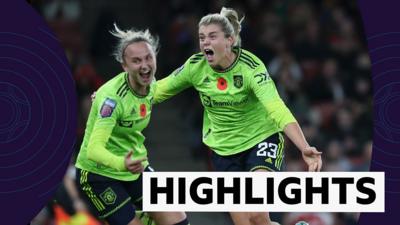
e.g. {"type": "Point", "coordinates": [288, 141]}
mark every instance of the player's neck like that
{"type": "Point", "coordinates": [137, 88]}
{"type": "Point", "coordinates": [226, 61]}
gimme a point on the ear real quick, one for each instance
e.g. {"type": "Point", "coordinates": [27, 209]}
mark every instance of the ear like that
{"type": "Point", "coordinates": [124, 66]}
{"type": "Point", "coordinates": [231, 41]}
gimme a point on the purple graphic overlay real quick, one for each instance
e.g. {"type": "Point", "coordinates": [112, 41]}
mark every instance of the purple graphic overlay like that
{"type": "Point", "coordinates": [384, 47]}
{"type": "Point", "coordinates": [37, 113]}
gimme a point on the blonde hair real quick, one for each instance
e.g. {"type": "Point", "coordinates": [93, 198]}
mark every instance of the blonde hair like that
{"type": "Point", "coordinates": [127, 37]}
{"type": "Point", "coordinates": [229, 21]}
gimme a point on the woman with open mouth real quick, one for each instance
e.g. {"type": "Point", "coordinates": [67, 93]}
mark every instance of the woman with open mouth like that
{"type": "Point", "coordinates": [244, 116]}
{"type": "Point", "coordinates": [113, 156]}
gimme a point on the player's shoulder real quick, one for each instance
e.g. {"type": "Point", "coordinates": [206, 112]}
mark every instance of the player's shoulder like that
{"type": "Point", "coordinates": [247, 54]}
{"type": "Point", "coordinates": [116, 88]}
{"type": "Point", "coordinates": [195, 62]}
{"type": "Point", "coordinates": [196, 58]}
{"type": "Point", "coordinates": [249, 60]}
{"type": "Point", "coordinates": [153, 87]}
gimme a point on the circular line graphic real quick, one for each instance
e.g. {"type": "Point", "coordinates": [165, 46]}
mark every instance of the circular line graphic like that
{"type": "Point", "coordinates": [8, 102]}
{"type": "Point", "coordinates": [386, 110]}
{"type": "Point", "coordinates": [384, 165]}
{"type": "Point", "coordinates": [376, 62]}
{"type": "Point", "coordinates": [381, 35]}
{"type": "Point", "coordinates": [12, 124]}
{"type": "Point", "coordinates": [383, 73]}
{"type": "Point", "coordinates": [66, 119]}
{"type": "Point", "coordinates": [9, 71]}
{"type": "Point", "coordinates": [383, 47]}
{"type": "Point", "coordinates": [387, 153]}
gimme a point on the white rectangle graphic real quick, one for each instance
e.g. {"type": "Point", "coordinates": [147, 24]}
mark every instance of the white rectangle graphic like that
{"type": "Point", "coordinates": [257, 192]}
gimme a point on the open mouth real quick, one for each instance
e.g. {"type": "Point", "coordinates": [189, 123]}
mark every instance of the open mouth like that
{"type": "Point", "coordinates": [209, 54]}
{"type": "Point", "coordinates": [145, 76]}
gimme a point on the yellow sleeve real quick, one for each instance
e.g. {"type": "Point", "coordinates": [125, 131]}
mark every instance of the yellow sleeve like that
{"type": "Point", "coordinates": [264, 89]}
{"type": "Point", "coordinates": [108, 111]}
{"type": "Point", "coordinates": [173, 84]}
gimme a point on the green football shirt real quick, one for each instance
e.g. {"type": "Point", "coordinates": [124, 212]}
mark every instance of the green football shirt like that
{"type": "Point", "coordinates": [115, 123]}
{"type": "Point", "coordinates": [241, 104]}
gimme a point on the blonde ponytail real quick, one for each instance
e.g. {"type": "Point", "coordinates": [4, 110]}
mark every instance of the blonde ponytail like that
{"type": "Point", "coordinates": [229, 21]}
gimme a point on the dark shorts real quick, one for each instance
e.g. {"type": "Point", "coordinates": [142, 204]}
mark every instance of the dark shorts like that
{"type": "Point", "coordinates": [267, 154]}
{"type": "Point", "coordinates": [113, 200]}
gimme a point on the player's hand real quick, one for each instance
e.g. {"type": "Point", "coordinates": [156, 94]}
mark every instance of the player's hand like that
{"type": "Point", "coordinates": [312, 157]}
{"type": "Point", "coordinates": [93, 96]}
{"type": "Point", "coordinates": [134, 166]}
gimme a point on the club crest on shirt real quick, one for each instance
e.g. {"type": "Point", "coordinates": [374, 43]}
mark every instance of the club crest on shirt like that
{"type": "Point", "coordinates": [108, 107]}
{"type": "Point", "coordinates": [108, 196]}
{"type": "Point", "coordinates": [238, 81]}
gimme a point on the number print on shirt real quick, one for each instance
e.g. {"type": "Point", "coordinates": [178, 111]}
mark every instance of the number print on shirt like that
{"type": "Point", "coordinates": [267, 149]}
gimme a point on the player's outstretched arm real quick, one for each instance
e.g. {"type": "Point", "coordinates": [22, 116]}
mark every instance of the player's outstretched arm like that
{"type": "Point", "coordinates": [311, 156]}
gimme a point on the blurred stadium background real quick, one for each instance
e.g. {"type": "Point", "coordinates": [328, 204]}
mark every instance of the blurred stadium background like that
{"type": "Point", "coordinates": [314, 50]}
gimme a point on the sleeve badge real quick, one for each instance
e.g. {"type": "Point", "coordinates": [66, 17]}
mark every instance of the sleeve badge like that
{"type": "Point", "coordinates": [107, 108]}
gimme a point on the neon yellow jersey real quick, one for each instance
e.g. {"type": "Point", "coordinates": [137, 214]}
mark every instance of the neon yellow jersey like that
{"type": "Point", "coordinates": [115, 123]}
{"type": "Point", "coordinates": [241, 104]}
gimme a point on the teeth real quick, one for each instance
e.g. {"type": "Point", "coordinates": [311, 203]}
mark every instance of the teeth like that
{"type": "Point", "coordinates": [208, 52]}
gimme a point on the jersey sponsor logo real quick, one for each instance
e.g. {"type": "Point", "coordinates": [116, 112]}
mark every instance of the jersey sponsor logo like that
{"type": "Point", "coordinates": [125, 123]}
{"type": "Point", "coordinates": [262, 77]}
{"type": "Point", "coordinates": [108, 196]}
{"type": "Point", "coordinates": [222, 84]}
{"type": "Point", "coordinates": [206, 100]}
{"type": "Point", "coordinates": [143, 110]}
{"type": "Point", "coordinates": [177, 71]}
{"type": "Point", "coordinates": [107, 108]}
{"type": "Point", "coordinates": [238, 81]}
{"type": "Point", "coordinates": [216, 103]}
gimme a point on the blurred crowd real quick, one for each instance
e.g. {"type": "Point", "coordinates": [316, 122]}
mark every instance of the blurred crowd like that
{"type": "Point", "coordinates": [315, 51]}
